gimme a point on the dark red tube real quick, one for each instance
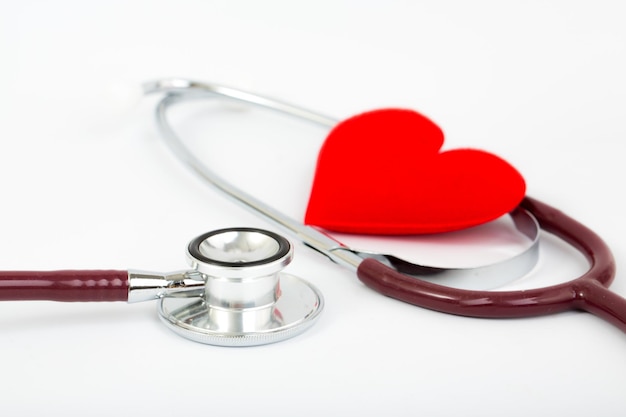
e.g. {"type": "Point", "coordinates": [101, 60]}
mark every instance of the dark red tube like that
{"type": "Point", "coordinates": [94, 285]}
{"type": "Point", "coordinates": [588, 292]}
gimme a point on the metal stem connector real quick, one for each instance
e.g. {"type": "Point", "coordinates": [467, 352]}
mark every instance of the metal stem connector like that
{"type": "Point", "coordinates": [146, 286]}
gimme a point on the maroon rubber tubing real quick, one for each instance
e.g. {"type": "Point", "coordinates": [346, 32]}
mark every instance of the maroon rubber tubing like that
{"type": "Point", "coordinates": [588, 292]}
{"type": "Point", "coordinates": [106, 285]}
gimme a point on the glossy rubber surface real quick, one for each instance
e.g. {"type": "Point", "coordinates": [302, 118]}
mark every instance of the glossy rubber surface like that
{"type": "Point", "coordinates": [68, 285]}
{"type": "Point", "coordinates": [588, 292]}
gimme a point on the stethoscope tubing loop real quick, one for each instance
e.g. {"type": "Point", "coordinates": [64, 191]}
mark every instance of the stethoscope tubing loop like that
{"type": "Point", "coordinates": [589, 292]}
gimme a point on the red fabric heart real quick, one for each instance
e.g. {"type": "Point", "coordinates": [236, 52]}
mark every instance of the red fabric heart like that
{"type": "Point", "coordinates": [382, 172]}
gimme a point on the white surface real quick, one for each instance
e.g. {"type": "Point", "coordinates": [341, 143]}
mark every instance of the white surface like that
{"type": "Point", "coordinates": [539, 83]}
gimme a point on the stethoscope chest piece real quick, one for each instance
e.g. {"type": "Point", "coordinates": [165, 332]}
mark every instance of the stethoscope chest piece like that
{"type": "Point", "coordinates": [247, 300]}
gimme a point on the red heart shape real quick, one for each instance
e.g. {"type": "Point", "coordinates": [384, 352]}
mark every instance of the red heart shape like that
{"type": "Point", "coordinates": [382, 172]}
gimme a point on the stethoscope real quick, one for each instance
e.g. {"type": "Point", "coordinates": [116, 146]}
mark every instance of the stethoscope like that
{"type": "Point", "coordinates": [439, 289]}
{"type": "Point", "coordinates": [236, 294]}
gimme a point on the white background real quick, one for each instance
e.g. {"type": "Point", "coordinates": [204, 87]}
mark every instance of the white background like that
{"type": "Point", "coordinates": [85, 182]}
